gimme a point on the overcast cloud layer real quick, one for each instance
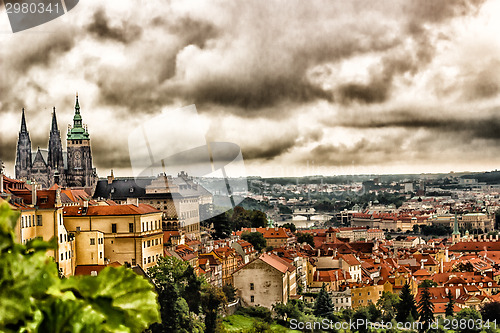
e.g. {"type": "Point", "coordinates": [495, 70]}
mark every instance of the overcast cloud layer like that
{"type": "Point", "coordinates": [304, 87]}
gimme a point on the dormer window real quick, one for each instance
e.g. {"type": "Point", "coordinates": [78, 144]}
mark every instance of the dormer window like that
{"type": "Point", "coordinates": [112, 190]}
{"type": "Point", "coordinates": [131, 190]}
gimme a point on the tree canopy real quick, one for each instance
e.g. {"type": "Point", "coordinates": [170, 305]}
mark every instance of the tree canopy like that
{"type": "Point", "coordinates": [426, 307]}
{"type": "Point", "coordinates": [305, 237]}
{"type": "Point", "coordinates": [255, 238]}
{"type": "Point", "coordinates": [407, 308]}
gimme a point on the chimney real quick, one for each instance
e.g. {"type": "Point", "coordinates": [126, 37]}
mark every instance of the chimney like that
{"type": "Point", "coordinates": [33, 193]}
{"type": "Point", "coordinates": [133, 201]}
{"type": "Point", "coordinates": [111, 177]}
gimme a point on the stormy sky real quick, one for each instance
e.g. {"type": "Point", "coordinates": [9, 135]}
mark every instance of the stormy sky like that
{"type": "Point", "coordinates": [304, 87]}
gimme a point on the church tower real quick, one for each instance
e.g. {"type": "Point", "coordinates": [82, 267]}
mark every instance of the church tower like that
{"type": "Point", "coordinates": [455, 237]}
{"type": "Point", "coordinates": [80, 172]}
{"type": "Point", "coordinates": [55, 159]}
{"type": "Point", "coordinates": [23, 156]}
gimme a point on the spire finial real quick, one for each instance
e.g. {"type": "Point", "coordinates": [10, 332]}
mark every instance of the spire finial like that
{"type": "Point", "coordinates": [77, 104]}
{"type": "Point", "coordinates": [24, 128]}
{"type": "Point", "coordinates": [54, 121]}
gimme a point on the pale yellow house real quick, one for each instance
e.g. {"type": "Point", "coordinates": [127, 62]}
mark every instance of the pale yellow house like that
{"type": "Point", "coordinates": [364, 295]}
{"type": "Point", "coordinates": [42, 217]}
{"type": "Point", "coordinates": [132, 233]}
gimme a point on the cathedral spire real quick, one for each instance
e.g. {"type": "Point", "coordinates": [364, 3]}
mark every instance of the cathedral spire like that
{"type": "Point", "coordinates": [54, 127]}
{"type": "Point", "coordinates": [24, 128]}
{"type": "Point", "coordinates": [77, 105]}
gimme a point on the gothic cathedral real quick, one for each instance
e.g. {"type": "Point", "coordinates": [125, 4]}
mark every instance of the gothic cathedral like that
{"type": "Point", "coordinates": [55, 166]}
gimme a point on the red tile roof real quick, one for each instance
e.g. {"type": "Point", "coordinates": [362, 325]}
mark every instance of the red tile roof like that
{"type": "Point", "coordinates": [110, 210]}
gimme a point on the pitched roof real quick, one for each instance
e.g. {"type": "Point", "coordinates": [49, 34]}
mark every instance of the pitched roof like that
{"type": "Point", "coordinates": [277, 262]}
{"type": "Point", "coordinates": [109, 210]}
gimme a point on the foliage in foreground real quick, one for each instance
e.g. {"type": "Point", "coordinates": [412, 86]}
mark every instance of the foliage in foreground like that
{"type": "Point", "coordinates": [35, 299]}
{"type": "Point", "coordinates": [185, 298]}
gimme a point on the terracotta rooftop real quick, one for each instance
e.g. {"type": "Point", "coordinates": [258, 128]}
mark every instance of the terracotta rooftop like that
{"type": "Point", "coordinates": [110, 210]}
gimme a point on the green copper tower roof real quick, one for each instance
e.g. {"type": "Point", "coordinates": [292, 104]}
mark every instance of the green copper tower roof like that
{"type": "Point", "coordinates": [78, 132]}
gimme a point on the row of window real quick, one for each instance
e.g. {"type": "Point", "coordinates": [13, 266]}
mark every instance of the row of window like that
{"type": "Point", "coordinates": [190, 214]}
{"type": "Point", "coordinates": [99, 241]}
{"type": "Point", "coordinates": [66, 255]}
{"type": "Point", "coordinates": [26, 221]}
{"type": "Point", "coordinates": [341, 300]}
{"type": "Point", "coordinates": [63, 238]}
{"type": "Point", "coordinates": [149, 226]}
{"type": "Point", "coordinates": [25, 241]}
{"type": "Point", "coordinates": [151, 242]}
{"type": "Point", "coordinates": [150, 259]}
{"type": "Point", "coordinates": [379, 292]}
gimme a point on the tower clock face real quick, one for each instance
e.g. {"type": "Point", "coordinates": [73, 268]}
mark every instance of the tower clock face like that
{"type": "Point", "coordinates": [78, 155]}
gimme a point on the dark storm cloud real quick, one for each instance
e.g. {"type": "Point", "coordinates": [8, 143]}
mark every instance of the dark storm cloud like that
{"type": "Point", "coordinates": [101, 28]}
{"type": "Point", "coordinates": [7, 148]}
{"type": "Point", "coordinates": [483, 125]}
{"type": "Point", "coordinates": [364, 152]}
{"type": "Point", "coordinates": [268, 150]}
{"type": "Point", "coordinates": [109, 154]}
{"type": "Point", "coordinates": [41, 51]}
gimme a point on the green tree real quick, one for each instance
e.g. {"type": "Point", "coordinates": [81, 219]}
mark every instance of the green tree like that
{"type": "Point", "coordinates": [361, 314]}
{"type": "Point", "coordinates": [305, 237]}
{"type": "Point", "coordinates": [213, 300]}
{"type": "Point", "coordinates": [490, 311]}
{"type": "Point", "coordinates": [464, 267]}
{"type": "Point", "coordinates": [222, 225]}
{"type": "Point", "coordinates": [449, 306]}
{"type": "Point", "coordinates": [406, 308]}
{"type": "Point", "coordinates": [375, 314]}
{"type": "Point", "coordinates": [323, 305]}
{"type": "Point", "coordinates": [230, 292]}
{"type": "Point", "coordinates": [34, 298]}
{"type": "Point", "coordinates": [425, 308]}
{"type": "Point", "coordinates": [255, 238]}
{"type": "Point", "coordinates": [427, 284]}
{"type": "Point", "coordinates": [290, 310]}
{"type": "Point", "coordinates": [171, 277]}
{"type": "Point", "coordinates": [290, 226]}
{"type": "Point", "coordinates": [387, 303]}
{"type": "Point", "coordinates": [465, 315]}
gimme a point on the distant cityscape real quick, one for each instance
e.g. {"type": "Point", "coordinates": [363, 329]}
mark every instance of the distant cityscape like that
{"type": "Point", "coordinates": [356, 237]}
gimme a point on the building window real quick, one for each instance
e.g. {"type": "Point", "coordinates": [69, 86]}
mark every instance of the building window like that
{"type": "Point", "coordinates": [252, 298]}
{"type": "Point", "coordinates": [149, 243]}
{"type": "Point", "coordinates": [149, 260]}
{"type": "Point", "coordinates": [62, 256]}
{"type": "Point", "coordinates": [145, 261]}
{"type": "Point", "coordinates": [133, 262]}
{"type": "Point", "coordinates": [100, 255]}
{"type": "Point", "coordinates": [251, 286]}
{"type": "Point", "coordinates": [113, 228]}
{"type": "Point", "coordinates": [130, 227]}
{"type": "Point", "coordinates": [78, 229]}
{"type": "Point", "coordinates": [29, 221]}
{"type": "Point", "coordinates": [92, 241]}
{"type": "Point", "coordinates": [39, 220]}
